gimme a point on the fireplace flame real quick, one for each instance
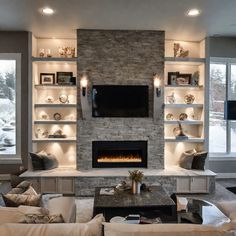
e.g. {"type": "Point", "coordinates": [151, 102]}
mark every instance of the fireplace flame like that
{"type": "Point", "coordinates": [120, 158]}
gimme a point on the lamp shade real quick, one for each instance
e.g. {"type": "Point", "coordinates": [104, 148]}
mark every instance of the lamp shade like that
{"type": "Point", "coordinates": [230, 110]}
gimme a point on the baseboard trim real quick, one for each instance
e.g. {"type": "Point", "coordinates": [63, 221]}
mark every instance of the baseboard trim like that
{"type": "Point", "coordinates": [226, 175]}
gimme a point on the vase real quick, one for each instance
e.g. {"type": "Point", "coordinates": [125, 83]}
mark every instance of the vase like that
{"type": "Point", "coordinates": [136, 187]}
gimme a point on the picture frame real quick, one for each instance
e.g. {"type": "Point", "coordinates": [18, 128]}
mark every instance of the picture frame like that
{"type": "Point", "coordinates": [47, 78]}
{"type": "Point", "coordinates": [64, 78]}
{"type": "Point", "coordinates": [184, 79]}
{"type": "Point", "coordinates": [172, 76]}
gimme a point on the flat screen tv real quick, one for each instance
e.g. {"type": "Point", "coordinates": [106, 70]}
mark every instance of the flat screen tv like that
{"type": "Point", "coordinates": [119, 101]}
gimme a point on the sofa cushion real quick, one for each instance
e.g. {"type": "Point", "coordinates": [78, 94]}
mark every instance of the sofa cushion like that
{"type": "Point", "coordinates": [10, 215]}
{"type": "Point", "coordinates": [92, 228]}
{"type": "Point", "coordinates": [64, 206]}
{"type": "Point", "coordinates": [113, 229]}
{"type": "Point", "coordinates": [228, 208]}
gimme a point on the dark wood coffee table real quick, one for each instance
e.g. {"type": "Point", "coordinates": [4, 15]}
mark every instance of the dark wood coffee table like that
{"type": "Point", "coordinates": [156, 203]}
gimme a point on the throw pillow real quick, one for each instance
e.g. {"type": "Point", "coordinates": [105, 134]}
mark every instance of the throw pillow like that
{"type": "Point", "coordinates": [24, 185]}
{"type": "Point", "coordinates": [15, 200]}
{"type": "Point", "coordinates": [186, 159]}
{"type": "Point", "coordinates": [17, 191]}
{"type": "Point", "coordinates": [199, 159]}
{"type": "Point", "coordinates": [50, 161]}
{"type": "Point", "coordinates": [37, 161]}
{"type": "Point", "coordinates": [42, 219]}
{"type": "Point", "coordinates": [30, 191]}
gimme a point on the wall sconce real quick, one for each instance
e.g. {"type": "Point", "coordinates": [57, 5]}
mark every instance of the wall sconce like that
{"type": "Point", "coordinates": [84, 83]}
{"type": "Point", "coordinates": [157, 84]}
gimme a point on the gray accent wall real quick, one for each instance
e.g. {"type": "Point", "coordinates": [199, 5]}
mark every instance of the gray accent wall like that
{"type": "Point", "coordinates": [222, 47]}
{"type": "Point", "coordinates": [17, 42]}
{"type": "Point", "coordinates": [120, 57]}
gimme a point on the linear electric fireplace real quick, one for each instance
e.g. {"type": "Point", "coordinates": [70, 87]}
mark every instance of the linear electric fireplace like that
{"type": "Point", "coordinates": [119, 154]}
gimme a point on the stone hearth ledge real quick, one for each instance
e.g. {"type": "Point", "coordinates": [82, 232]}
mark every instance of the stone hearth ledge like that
{"type": "Point", "coordinates": [174, 171]}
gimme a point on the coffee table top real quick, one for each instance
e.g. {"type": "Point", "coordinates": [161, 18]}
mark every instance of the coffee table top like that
{"type": "Point", "coordinates": [157, 197]}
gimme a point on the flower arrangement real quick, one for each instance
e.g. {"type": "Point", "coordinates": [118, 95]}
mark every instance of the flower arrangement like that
{"type": "Point", "coordinates": [136, 175]}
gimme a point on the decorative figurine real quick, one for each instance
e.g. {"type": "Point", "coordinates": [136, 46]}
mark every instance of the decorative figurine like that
{"type": "Point", "coordinates": [171, 98]}
{"type": "Point", "coordinates": [179, 51]}
{"type": "Point", "coordinates": [169, 116]}
{"type": "Point", "coordinates": [189, 99]}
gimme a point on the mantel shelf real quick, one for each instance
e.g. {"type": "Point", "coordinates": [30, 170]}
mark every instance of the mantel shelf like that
{"type": "Point", "coordinates": [183, 105]}
{"type": "Point", "coordinates": [55, 140]}
{"type": "Point", "coordinates": [54, 105]}
{"type": "Point", "coordinates": [184, 122]}
{"type": "Point", "coordinates": [54, 59]}
{"type": "Point", "coordinates": [55, 121]}
{"type": "Point", "coordinates": [184, 61]}
{"type": "Point", "coordinates": [189, 140]}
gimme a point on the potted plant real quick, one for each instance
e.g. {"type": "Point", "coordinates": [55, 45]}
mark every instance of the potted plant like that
{"type": "Point", "coordinates": [136, 176]}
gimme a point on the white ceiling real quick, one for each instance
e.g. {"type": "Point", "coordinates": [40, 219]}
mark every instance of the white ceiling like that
{"type": "Point", "coordinates": [218, 17]}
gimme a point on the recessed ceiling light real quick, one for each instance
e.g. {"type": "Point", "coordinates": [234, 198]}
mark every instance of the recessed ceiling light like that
{"type": "Point", "coordinates": [193, 12]}
{"type": "Point", "coordinates": [47, 11]}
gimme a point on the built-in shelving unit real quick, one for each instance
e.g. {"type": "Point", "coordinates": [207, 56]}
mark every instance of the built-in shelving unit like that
{"type": "Point", "coordinates": [193, 125]}
{"type": "Point", "coordinates": [49, 113]}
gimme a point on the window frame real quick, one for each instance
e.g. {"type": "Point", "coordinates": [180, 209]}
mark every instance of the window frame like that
{"type": "Point", "coordinates": [15, 158]}
{"type": "Point", "coordinates": [228, 155]}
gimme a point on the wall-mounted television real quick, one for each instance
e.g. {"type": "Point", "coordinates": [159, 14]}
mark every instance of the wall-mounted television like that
{"type": "Point", "coordinates": [120, 101]}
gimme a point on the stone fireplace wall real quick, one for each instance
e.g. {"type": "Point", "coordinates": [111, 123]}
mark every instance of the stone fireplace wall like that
{"type": "Point", "coordinates": [120, 57]}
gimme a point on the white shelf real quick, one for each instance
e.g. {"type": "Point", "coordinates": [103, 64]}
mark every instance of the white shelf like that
{"type": "Point", "coordinates": [189, 140]}
{"type": "Point", "coordinates": [55, 121]}
{"type": "Point", "coordinates": [54, 86]}
{"type": "Point", "coordinates": [184, 61]}
{"type": "Point", "coordinates": [183, 105]}
{"type": "Point", "coordinates": [54, 105]}
{"type": "Point", "coordinates": [55, 140]}
{"type": "Point", "coordinates": [184, 86]}
{"type": "Point", "coordinates": [54, 59]}
{"type": "Point", "coordinates": [184, 122]}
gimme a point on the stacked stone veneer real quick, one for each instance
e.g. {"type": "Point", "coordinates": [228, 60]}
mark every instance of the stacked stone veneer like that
{"type": "Point", "coordinates": [117, 57]}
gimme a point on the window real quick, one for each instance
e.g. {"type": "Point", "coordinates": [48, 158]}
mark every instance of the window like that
{"type": "Point", "coordinates": [10, 106]}
{"type": "Point", "coordinates": [222, 87]}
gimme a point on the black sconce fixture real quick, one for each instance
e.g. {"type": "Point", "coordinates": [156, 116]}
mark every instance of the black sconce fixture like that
{"type": "Point", "coordinates": [84, 83]}
{"type": "Point", "coordinates": [157, 84]}
{"type": "Point", "coordinates": [230, 110]}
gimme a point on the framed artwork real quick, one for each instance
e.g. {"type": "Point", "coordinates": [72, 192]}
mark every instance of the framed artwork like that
{"type": "Point", "coordinates": [64, 78]}
{"type": "Point", "coordinates": [184, 79]}
{"type": "Point", "coordinates": [172, 77]}
{"type": "Point", "coordinates": [47, 78]}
